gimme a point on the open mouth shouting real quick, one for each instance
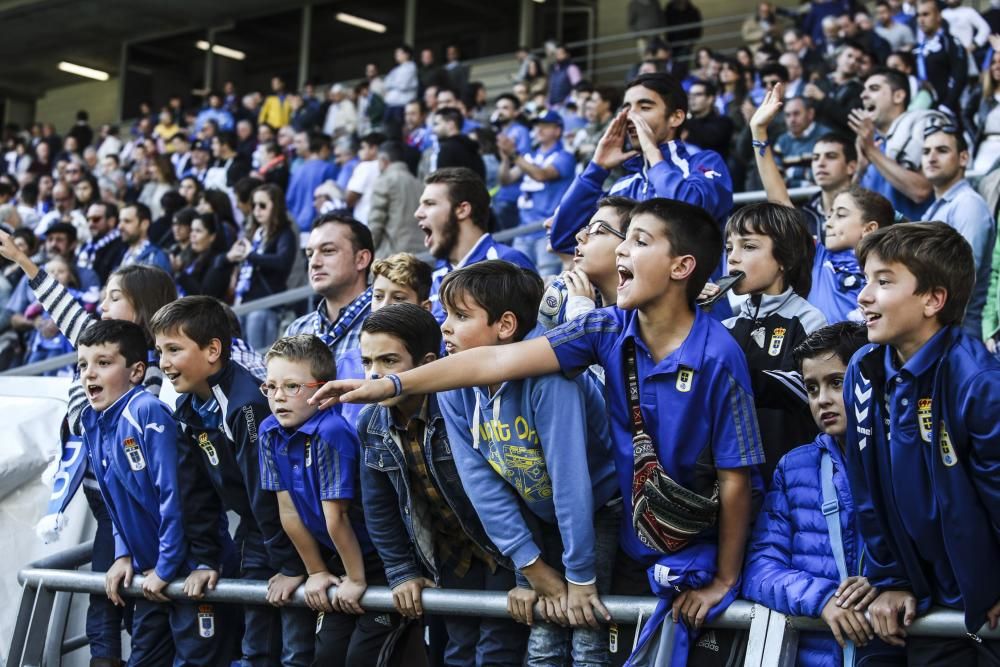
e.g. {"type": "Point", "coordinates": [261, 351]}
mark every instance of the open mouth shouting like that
{"type": "Point", "coordinates": [624, 277]}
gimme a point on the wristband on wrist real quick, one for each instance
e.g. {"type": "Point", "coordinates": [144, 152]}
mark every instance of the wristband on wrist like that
{"type": "Point", "coordinates": [397, 383]}
{"type": "Point", "coordinates": [761, 146]}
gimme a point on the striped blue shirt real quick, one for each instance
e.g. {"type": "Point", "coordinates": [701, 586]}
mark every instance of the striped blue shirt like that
{"type": "Point", "coordinates": [317, 461]}
{"type": "Point", "coordinates": [696, 403]}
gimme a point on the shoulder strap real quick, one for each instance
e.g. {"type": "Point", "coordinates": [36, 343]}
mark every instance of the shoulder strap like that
{"type": "Point", "coordinates": [632, 387]}
{"type": "Point", "coordinates": [831, 511]}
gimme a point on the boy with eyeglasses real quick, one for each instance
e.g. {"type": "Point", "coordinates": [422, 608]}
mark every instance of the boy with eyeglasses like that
{"type": "Point", "coordinates": [593, 280]}
{"type": "Point", "coordinates": [309, 459]}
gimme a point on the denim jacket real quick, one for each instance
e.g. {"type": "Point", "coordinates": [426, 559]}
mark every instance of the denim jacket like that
{"type": "Point", "coordinates": [387, 501]}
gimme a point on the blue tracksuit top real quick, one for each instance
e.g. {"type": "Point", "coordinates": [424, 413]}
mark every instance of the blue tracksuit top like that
{"type": "Point", "coordinates": [837, 279]}
{"type": "Point", "coordinates": [790, 566]}
{"type": "Point", "coordinates": [701, 179]}
{"type": "Point", "coordinates": [132, 447]}
{"type": "Point", "coordinates": [543, 442]}
{"type": "Point", "coordinates": [928, 499]}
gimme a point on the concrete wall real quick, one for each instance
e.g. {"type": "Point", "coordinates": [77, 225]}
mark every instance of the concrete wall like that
{"type": "Point", "coordinates": [59, 105]}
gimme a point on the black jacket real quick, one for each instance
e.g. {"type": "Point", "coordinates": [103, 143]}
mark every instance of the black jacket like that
{"type": "Point", "coordinates": [768, 328]}
{"type": "Point", "coordinates": [221, 471]}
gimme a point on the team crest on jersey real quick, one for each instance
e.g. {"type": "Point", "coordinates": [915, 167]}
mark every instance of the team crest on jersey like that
{"type": "Point", "coordinates": [134, 455]}
{"type": "Point", "coordinates": [685, 376]}
{"type": "Point", "coordinates": [948, 456]}
{"type": "Point", "coordinates": [924, 419]}
{"type": "Point", "coordinates": [209, 449]}
{"type": "Point", "coordinates": [777, 340]}
{"type": "Point", "coordinates": [206, 621]}
{"type": "Point", "coordinates": [309, 452]}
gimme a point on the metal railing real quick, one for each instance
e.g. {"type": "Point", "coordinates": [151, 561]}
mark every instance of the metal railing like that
{"type": "Point", "coordinates": [48, 586]}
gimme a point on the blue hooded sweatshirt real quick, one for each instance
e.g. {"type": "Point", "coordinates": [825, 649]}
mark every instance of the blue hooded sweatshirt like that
{"type": "Point", "coordinates": [540, 442]}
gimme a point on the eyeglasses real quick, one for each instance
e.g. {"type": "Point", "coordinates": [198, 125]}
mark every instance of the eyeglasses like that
{"type": "Point", "coordinates": [770, 83]}
{"type": "Point", "coordinates": [290, 389]}
{"type": "Point", "coordinates": [261, 204]}
{"type": "Point", "coordinates": [95, 218]}
{"type": "Point", "coordinates": [597, 226]}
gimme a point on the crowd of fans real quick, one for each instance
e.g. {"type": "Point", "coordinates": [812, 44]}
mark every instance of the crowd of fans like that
{"type": "Point", "coordinates": [557, 490]}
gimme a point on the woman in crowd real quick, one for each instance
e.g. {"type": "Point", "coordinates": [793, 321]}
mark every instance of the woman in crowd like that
{"type": "Point", "coordinates": [161, 180]}
{"type": "Point", "coordinates": [208, 272]}
{"type": "Point", "coordinates": [265, 259]}
{"type": "Point", "coordinates": [986, 122]}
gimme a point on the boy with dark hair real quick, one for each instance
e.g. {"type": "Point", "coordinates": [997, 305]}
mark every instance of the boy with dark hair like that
{"type": "Point", "coordinates": [793, 567]}
{"type": "Point", "coordinates": [657, 163]}
{"type": "Point", "coordinates": [694, 425]}
{"type": "Point", "coordinates": [921, 442]}
{"type": "Point", "coordinates": [534, 458]}
{"type": "Point", "coordinates": [422, 522]}
{"type": "Point", "coordinates": [219, 412]}
{"type": "Point", "coordinates": [309, 459]}
{"type": "Point", "coordinates": [130, 438]}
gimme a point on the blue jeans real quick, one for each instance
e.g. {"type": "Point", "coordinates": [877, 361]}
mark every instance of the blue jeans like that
{"type": "Point", "coordinates": [269, 631]}
{"type": "Point", "coordinates": [536, 247]}
{"type": "Point", "coordinates": [260, 328]}
{"type": "Point", "coordinates": [482, 641]}
{"type": "Point", "coordinates": [550, 644]}
{"type": "Point", "coordinates": [104, 619]}
{"type": "Point", "coordinates": [183, 633]}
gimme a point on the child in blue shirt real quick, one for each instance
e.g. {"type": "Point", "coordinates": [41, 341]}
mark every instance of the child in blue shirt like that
{"type": "Point", "coordinates": [309, 459]}
{"type": "Point", "coordinates": [593, 280]}
{"type": "Point", "coordinates": [922, 437]}
{"type": "Point", "coordinates": [801, 562]}
{"type": "Point", "coordinates": [836, 277]}
{"type": "Point", "coordinates": [693, 389]}
{"type": "Point", "coordinates": [130, 438]}
{"type": "Point", "coordinates": [540, 445]}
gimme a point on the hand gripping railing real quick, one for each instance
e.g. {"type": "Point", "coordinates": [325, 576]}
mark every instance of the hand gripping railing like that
{"type": "Point", "coordinates": [49, 583]}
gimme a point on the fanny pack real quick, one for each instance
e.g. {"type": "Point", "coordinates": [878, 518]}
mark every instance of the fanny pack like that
{"type": "Point", "coordinates": [665, 515]}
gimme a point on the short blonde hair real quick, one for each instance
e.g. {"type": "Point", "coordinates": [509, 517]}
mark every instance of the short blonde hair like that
{"type": "Point", "coordinates": [308, 348]}
{"type": "Point", "coordinates": [405, 269]}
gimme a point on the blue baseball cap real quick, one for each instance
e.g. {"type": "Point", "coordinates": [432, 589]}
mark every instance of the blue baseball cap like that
{"type": "Point", "coordinates": [550, 117]}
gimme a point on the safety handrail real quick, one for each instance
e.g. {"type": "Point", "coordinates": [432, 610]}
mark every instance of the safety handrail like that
{"type": "Point", "coordinates": [772, 642]}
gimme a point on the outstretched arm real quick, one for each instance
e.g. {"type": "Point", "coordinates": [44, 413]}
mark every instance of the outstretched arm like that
{"type": "Point", "coordinates": [471, 368]}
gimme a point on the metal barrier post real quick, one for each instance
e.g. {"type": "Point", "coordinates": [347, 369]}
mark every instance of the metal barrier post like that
{"type": "Point", "coordinates": [23, 620]}
{"type": "Point", "coordinates": [38, 626]}
{"type": "Point", "coordinates": [53, 651]}
{"type": "Point", "coordinates": [759, 617]}
{"type": "Point", "coordinates": [782, 642]}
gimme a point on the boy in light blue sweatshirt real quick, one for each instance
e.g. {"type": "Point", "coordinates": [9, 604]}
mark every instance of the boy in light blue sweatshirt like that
{"type": "Point", "coordinates": [540, 445]}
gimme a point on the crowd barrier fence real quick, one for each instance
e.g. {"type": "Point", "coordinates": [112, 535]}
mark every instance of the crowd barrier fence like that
{"type": "Point", "coordinates": [49, 584]}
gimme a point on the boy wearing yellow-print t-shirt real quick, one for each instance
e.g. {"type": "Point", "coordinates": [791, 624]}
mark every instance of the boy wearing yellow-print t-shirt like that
{"type": "Point", "coordinates": [534, 457]}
